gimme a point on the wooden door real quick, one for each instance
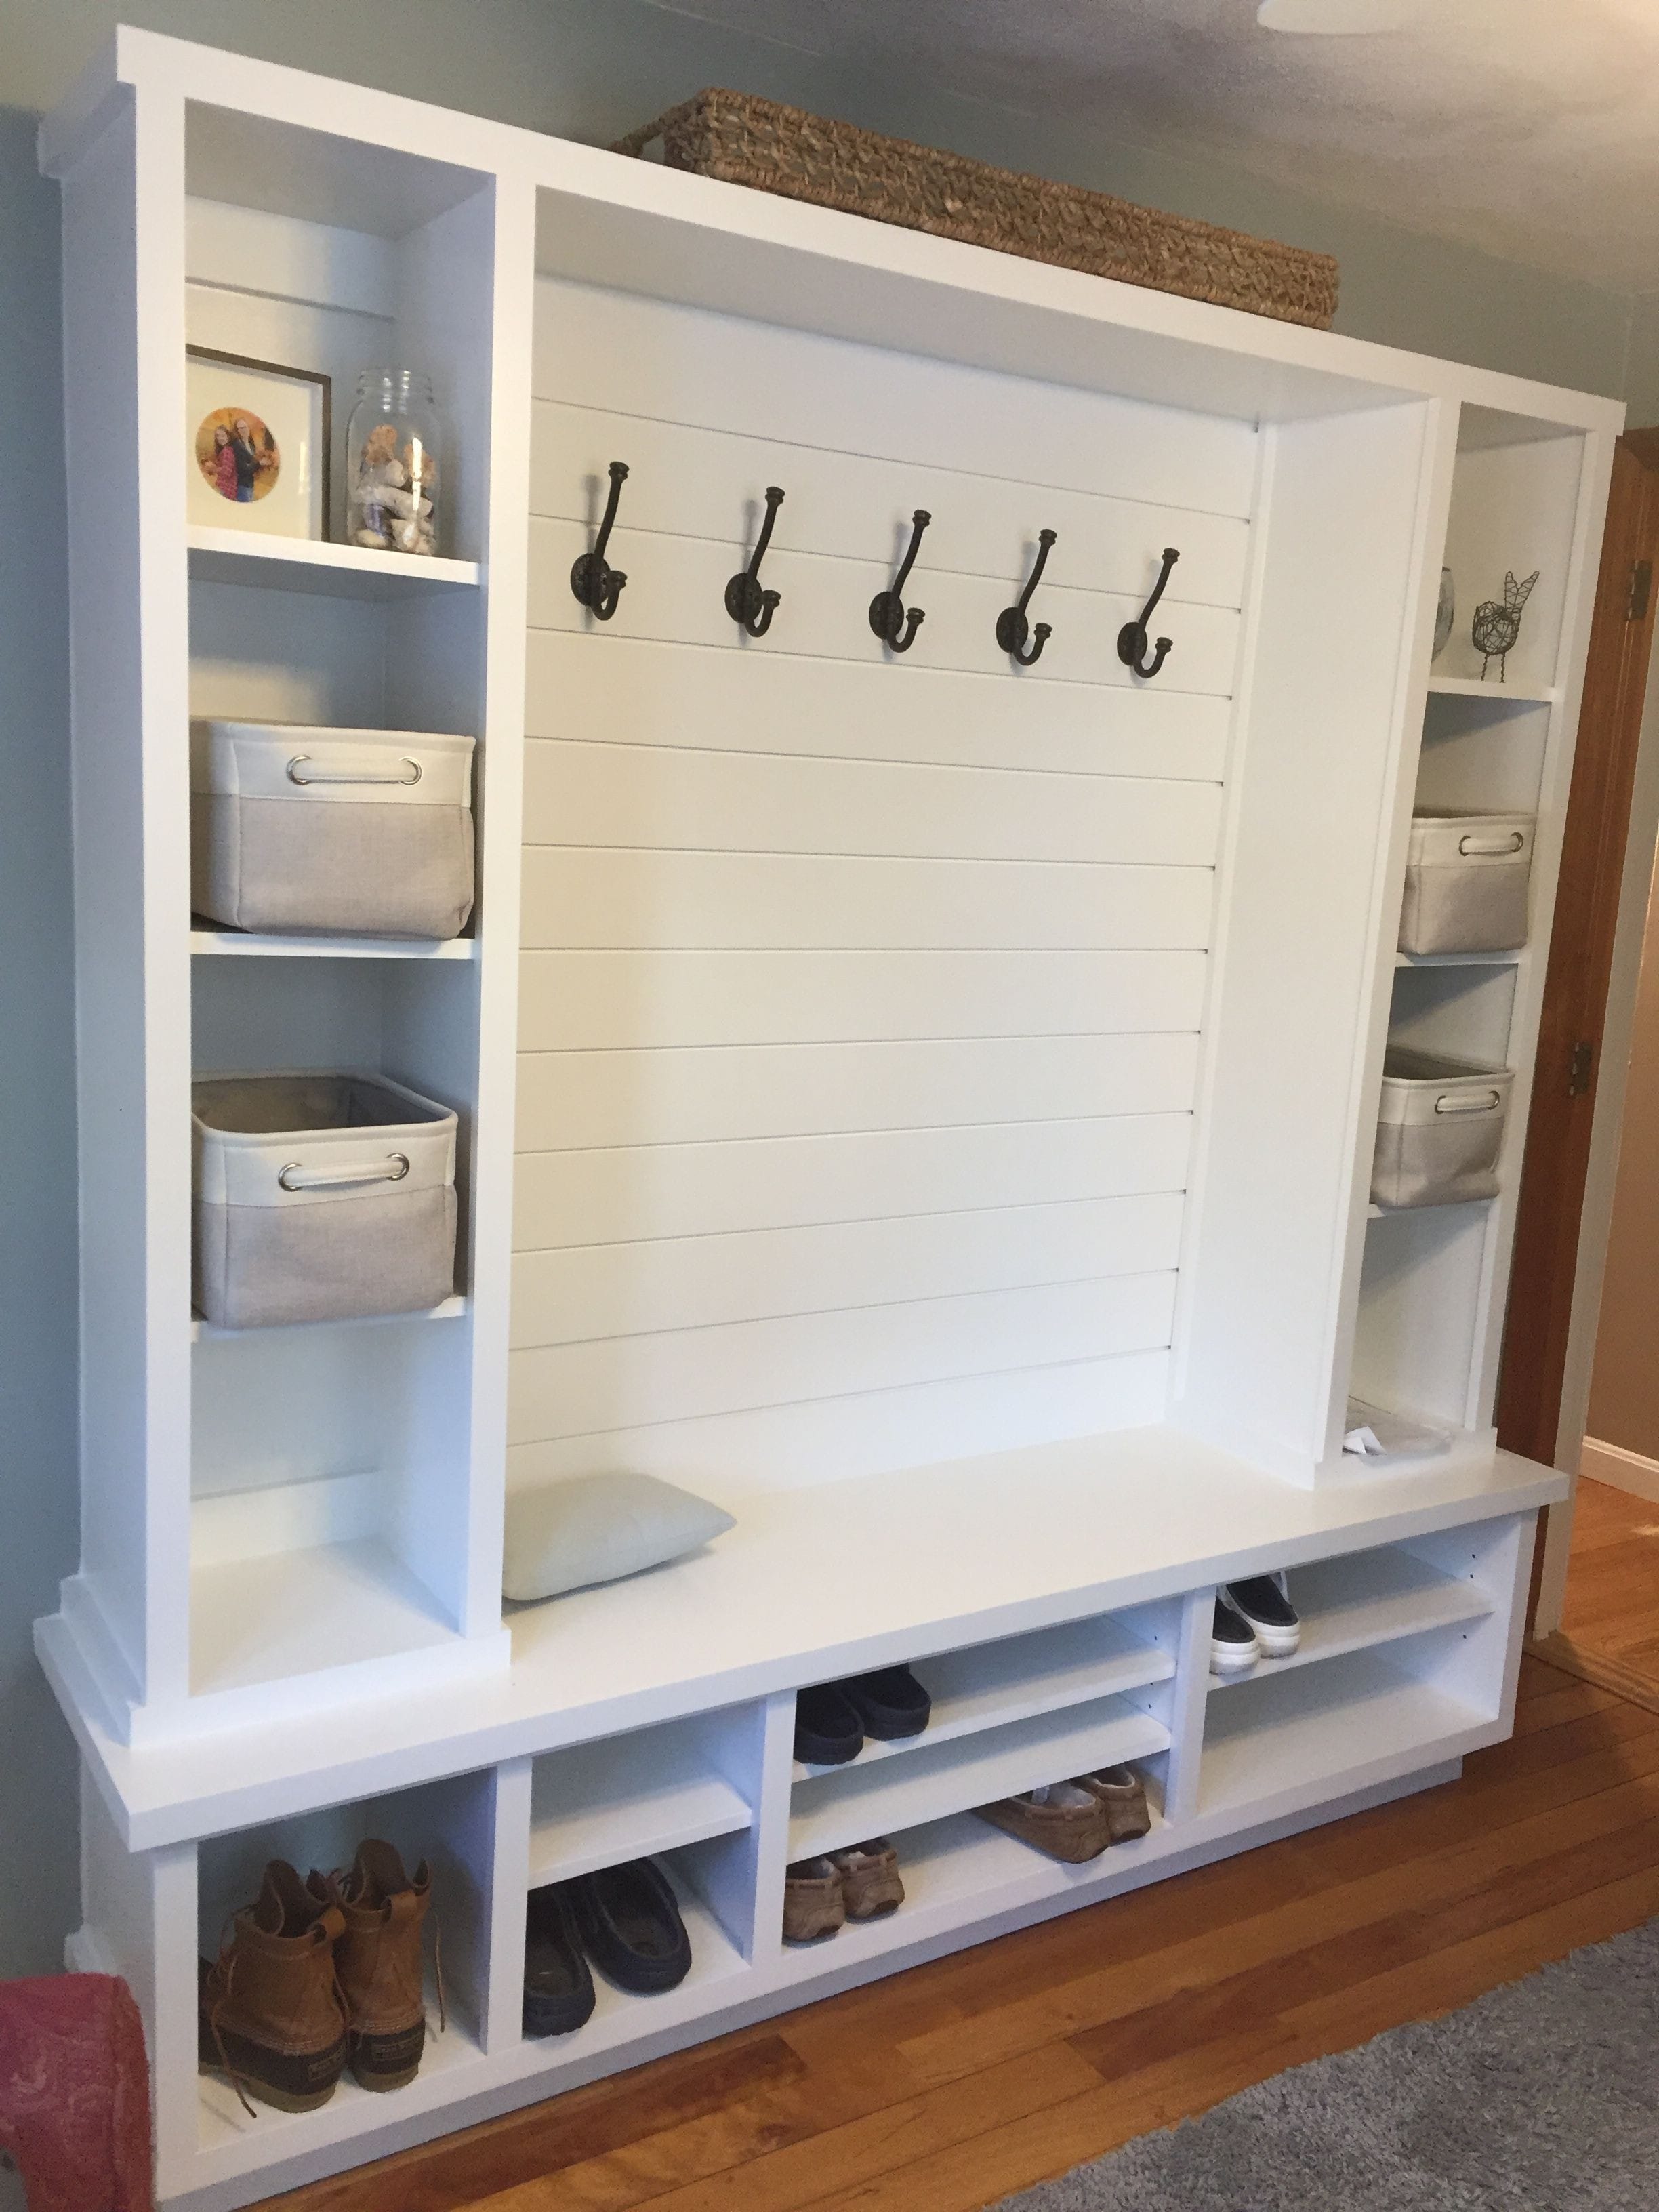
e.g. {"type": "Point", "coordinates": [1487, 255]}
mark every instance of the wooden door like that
{"type": "Point", "coordinates": [1581, 957]}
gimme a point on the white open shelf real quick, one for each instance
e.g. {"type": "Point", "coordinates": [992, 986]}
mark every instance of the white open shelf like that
{"type": "Point", "coordinates": [1471, 687]}
{"type": "Point", "coordinates": [959, 1867]}
{"type": "Point", "coordinates": [1354, 1719]}
{"type": "Point", "coordinates": [1459, 959]}
{"type": "Point", "coordinates": [207, 1332]}
{"type": "Point", "coordinates": [306, 564]}
{"type": "Point", "coordinates": [296, 1613]}
{"type": "Point", "coordinates": [1366, 1599]}
{"type": "Point", "coordinates": [625, 1798]}
{"type": "Point", "coordinates": [993, 1683]}
{"type": "Point", "coordinates": [208, 943]}
{"type": "Point", "coordinates": [843, 1805]}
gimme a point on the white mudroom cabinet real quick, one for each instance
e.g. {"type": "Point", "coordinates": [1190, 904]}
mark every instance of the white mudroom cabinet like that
{"type": "Point", "coordinates": [924, 1101]}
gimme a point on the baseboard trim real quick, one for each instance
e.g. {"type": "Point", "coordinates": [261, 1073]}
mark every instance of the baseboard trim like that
{"type": "Point", "coordinates": [1558, 1650]}
{"type": "Point", "coordinates": [1624, 1470]}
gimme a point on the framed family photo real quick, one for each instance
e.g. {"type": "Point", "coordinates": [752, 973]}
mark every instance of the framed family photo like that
{"type": "Point", "coordinates": [259, 445]}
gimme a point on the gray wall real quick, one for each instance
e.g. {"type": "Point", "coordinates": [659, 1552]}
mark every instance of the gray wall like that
{"type": "Point", "coordinates": [589, 69]}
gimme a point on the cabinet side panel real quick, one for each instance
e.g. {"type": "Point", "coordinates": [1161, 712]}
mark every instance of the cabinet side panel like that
{"type": "Point", "coordinates": [1311, 864]}
{"type": "Point", "coordinates": [123, 209]}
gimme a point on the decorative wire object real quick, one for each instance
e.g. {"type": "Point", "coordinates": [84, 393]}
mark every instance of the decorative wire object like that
{"type": "Point", "coordinates": [1495, 628]}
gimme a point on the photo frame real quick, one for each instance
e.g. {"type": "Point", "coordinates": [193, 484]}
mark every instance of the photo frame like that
{"type": "Point", "coordinates": [257, 444]}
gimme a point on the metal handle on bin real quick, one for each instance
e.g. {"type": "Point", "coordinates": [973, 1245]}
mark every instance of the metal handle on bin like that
{"type": "Point", "coordinates": [294, 1176]}
{"type": "Point", "coordinates": [1487, 847]}
{"type": "Point", "coordinates": [326, 775]}
{"type": "Point", "coordinates": [1456, 1101]}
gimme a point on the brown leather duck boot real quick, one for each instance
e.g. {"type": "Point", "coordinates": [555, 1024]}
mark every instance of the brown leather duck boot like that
{"type": "Point", "coordinates": [379, 1961]}
{"type": "Point", "coordinates": [269, 2015]}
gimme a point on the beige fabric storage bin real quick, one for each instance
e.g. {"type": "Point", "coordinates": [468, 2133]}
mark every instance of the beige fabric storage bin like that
{"type": "Point", "coordinates": [314, 831]}
{"type": "Point", "coordinates": [1466, 883]}
{"type": "Point", "coordinates": [1440, 1130]}
{"type": "Point", "coordinates": [319, 1198]}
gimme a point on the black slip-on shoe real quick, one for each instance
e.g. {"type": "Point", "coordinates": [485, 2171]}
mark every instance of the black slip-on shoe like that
{"type": "Point", "coordinates": [891, 1703]}
{"type": "Point", "coordinates": [1263, 1602]}
{"type": "Point", "coordinates": [558, 1989]}
{"type": "Point", "coordinates": [827, 1728]}
{"type": "Point", "coordinates": [1233, 1647]}
{"type": "Point", "coordinates": [630, 1926]}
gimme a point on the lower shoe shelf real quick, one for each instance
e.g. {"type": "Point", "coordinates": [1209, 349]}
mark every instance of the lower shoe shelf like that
{"type": "Point", "coordinates": [1285, 1739]}
{"type": "Point", "coordinates": [842, 1805]}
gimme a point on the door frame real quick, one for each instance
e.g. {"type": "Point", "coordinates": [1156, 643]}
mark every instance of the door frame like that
{"type": "Point", "coordinates": [1624, 804]}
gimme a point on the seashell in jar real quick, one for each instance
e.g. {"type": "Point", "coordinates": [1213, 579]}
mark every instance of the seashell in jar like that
{"type": "Point", "coordinates": [369, 538]}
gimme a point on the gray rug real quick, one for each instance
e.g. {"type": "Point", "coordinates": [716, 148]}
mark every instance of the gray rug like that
{"type": "Point", "coordinates": [1541, 2097]}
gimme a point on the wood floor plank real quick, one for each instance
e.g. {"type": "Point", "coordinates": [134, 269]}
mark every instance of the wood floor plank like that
{"type": "Point", "coordinates": [842, 2156]}
{"type": "Point", "coordinates": [973, 2174]}
{"type": "Point", "coordinates": [1359, 1953]}
{"type": "Point", "coordinates": [1124, 1994]}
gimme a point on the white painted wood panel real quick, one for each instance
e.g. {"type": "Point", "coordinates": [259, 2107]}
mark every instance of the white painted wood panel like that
{"type": "Point", "coordinates": [648, 357]}
{"type": "Point", "coordinates": [580, 898]}
{"type": "Point", "coordinates": [641, 691]}
{"type": "Point", "coordinates": [577, 793]}
{"type": "Point", "coordinates": [692, 1190]}
{"type": "Point", "coordinates": [607, 1000]}
{"type": "Point", "coordinates": [576, 1389]}
{"type": "Point", "coordinates": [569, 1296]}
{"type": "Point", "coordinates": [697, 1094]}
{"type": "Point", "coordinates": [676, 592]}
{"type": "Point", "coordinates": [736, 1455]}
{"type": "Point", "coordinates": [681, 480]}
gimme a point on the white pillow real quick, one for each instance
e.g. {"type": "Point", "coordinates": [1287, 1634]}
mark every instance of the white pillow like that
{"type": "Point", "coordinates": [598, 1528]}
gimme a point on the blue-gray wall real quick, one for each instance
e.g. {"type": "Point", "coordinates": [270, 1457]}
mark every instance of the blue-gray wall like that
{"type": "Point", "coordinates": [589, 69]}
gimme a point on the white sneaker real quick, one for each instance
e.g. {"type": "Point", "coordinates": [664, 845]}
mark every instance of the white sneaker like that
{"type": "Point", "coordinates": [1263, 1602]}
{"type": "Point", "coordinates": [1233, 1646]}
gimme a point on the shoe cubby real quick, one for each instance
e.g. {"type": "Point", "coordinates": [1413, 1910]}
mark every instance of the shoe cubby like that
{"type": "Point", "coordinates": [1483, 753]}
{"type": "Point", "coordinates": [842, 1805]}
{"type": "Point", "coordinates": [655, 1789]}
{"type": "Point", "coordinates": [1368, 1599]}
{"type": "Point", "coordinates": [1462, 1012]}
{"type": "Point", "coordinates": [1022, 1678]}
{"type": "Point", "coordinates": [1408, 1654]}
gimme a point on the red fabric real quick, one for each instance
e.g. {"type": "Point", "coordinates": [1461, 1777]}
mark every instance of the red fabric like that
{"type": "Point", "coordinates": [75, 2093]}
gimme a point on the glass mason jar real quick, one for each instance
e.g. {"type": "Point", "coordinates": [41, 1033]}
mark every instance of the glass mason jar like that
{"type": "Point", "coordinates": [394, 446]}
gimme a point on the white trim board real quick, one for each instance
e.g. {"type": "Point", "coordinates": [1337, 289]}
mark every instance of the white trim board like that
{"type": "Point", "coordinates": [1623, 1470]}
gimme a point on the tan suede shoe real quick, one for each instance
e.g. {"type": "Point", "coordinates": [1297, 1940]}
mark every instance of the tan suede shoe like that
{"type": "Point", "coordinates": [870, 1878]}
{"type": "Point", "coordinates": [1123, 1794]}
{"type": "Point", "coordinates": [379, 1963]}
{"type": "Point", "coordinates": [271, 2018]}
{"type": "Point", "coordinates": [814, 1904]}
{"type": "Point", "coordinates": [1060, 1818]}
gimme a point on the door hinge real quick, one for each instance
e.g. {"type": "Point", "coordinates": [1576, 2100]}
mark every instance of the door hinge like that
{"type": "Point", "coordinates": [1578, 1068]}
{"type": "Point", "coordinates": [1641, 585]}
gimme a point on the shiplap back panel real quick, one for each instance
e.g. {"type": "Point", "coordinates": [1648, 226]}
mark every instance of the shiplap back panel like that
{"type": "Point", "coordinates": [861, 995]}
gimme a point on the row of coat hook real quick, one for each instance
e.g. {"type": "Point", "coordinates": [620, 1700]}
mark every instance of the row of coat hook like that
{"type": "Point", "coordinates": [752, 605]}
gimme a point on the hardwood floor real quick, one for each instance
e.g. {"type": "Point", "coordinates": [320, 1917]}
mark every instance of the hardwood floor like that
{"type": "Point", "coordinates": [1609, 1630]}
{"type": "Point", "coordinates": [945, 2088]}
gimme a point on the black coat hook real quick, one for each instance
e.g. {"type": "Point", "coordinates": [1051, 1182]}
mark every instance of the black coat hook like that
{"type": "Point", "coordinates": [595, 583]}
{"type": "Point", "coordinates": [887, 618]}
{"type": "Point", "coordinates": [1132, 639]}
{"type": "Point", "coordinates": [1012, 628]}
{"type": "Point", "coordinates": [749, 607]}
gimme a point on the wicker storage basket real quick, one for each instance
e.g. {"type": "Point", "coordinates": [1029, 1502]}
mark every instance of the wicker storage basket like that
{"type": "Point", "coordinates": [746, 141]}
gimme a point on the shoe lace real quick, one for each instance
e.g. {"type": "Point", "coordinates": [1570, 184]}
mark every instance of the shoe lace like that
{"type": "Point", "coordinates": [225, 1973]}
{"type": "Point", "coordinates": [225, 1970]}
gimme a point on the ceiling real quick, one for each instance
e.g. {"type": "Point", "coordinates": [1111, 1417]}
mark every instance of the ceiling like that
{"type": "Point", "coordinates": [1527, 127]}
